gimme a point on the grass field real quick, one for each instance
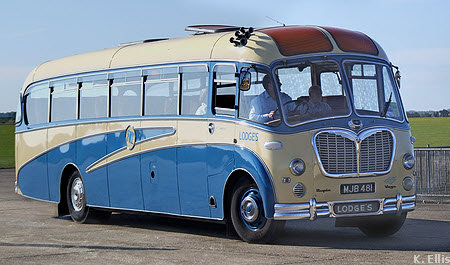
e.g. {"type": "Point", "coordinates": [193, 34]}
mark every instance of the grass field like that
{"type": "Point", "coordinates": [432, 131]}
{"type": "Point", "coordinates": [6, 146]}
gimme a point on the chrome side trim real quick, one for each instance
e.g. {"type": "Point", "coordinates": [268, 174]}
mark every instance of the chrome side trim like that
{"type": "Point", "coordinates": [92, 167]}
{"type": "Point", "coordinates": [154, 212]}
{"type": "Point", "coordinates": [313, 209]}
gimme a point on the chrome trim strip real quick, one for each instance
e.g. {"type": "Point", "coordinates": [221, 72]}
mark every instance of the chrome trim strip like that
{"type": "Point", "coordinates": [354, 137]}
{"type": "Point", "coordinates": [81, 138]}
{"type": "Point", "coordinates": [313, 209]}
{"type": "Point", "coordinates": [92, 167]}
{"type": "Point", "coordinates": [155, 212]}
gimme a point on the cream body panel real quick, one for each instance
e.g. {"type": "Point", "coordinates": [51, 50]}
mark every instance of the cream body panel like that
{"type": "Point", "coordinates": [224, 132]}
{"type": "Point", "coordinates": [86, 62]}
{"type": "Point", "coordinates": [260, 48]}
{"type": "Point", "coordinates": [30, 145]}
{"type": "Point", "coordinates": [61, 135]}
{"type": "Point", "coordinates": [163, 142]}
{"type": "Point", "coordinates": [192, 131]}
{"type": "Point", "coordinates": [166, 51]}
{"type": "Point", "coordinates": [90, 129]}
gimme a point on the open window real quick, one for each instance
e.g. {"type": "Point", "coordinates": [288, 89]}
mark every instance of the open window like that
{"type": "Point", "coordinates": [224, 89]}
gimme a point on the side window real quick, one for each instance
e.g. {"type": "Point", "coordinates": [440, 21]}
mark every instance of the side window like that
{"type": "Point", "coordinates": [224, 89]}
{"type": "Point", "coordinates": [126, 94]}
{"type": "Point", "coordinates": [295, 81]}
{"type": "Point", "coordinates": [194, 89]}
{"type": "Point", "coordinates": [330, 83]}
{"type": "Point", "coordinates": [94, 97]}
{"type": "Point", "coordinates": [161, 91]}
{"type": "Point", "coordinates": [64, 100]}
{"type": "Point", "coordinates": [365, 90]}
{"type": "Point", "coordinates": [393, 110]}
{"type": "Point", "coordinates": [36, 104]}
{"type": "Point", "coordinates": [249, 99]}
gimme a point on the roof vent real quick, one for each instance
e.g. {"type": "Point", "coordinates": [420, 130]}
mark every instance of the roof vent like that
{"type": "Point", "coordinates": [141, 41]}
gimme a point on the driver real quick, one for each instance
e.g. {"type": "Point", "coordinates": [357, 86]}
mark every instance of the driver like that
{"type": "Point", "coordinates": [263, 107]}
{"type": "Point", "coordinates": [314, 104]}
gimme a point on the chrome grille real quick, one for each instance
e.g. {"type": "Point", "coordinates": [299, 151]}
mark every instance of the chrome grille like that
{"type": "Point", "coordinates": [376, 152]}
{"type": "Point", "coordinates": [339, 152]}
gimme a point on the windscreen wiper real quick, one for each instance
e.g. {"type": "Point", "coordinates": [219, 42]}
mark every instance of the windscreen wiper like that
{"type": "Point", "coordinates": [386, 106]}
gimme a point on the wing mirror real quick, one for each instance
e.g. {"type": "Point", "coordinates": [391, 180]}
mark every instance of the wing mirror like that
{"type": "Point", "coordinates": [397, 75]}
{"type": "Point", "coordinates": [245, 79]}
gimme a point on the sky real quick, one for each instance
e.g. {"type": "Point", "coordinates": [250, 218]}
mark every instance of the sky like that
{"type": "Point", "coordinates": [414, 33]}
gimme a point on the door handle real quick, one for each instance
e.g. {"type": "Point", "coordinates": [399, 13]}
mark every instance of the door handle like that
{"type": "Point", "coordinates": [211, 128]}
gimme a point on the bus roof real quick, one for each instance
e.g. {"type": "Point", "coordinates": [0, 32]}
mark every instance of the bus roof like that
{"type": "Point", "coordinates": [264, 46]}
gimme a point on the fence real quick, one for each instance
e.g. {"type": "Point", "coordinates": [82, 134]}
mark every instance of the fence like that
{"type": "Point", "coordinates": [433, 172]}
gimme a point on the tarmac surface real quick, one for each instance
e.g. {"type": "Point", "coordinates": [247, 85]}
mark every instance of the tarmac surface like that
{"type": "Point", "coordinates": [30, 233]}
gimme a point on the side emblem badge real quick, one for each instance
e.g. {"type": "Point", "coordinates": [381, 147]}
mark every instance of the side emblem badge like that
{"type": "Point", "coordinates": [390, 180]}
{"type": "Point", "coordinates": [130, 137]}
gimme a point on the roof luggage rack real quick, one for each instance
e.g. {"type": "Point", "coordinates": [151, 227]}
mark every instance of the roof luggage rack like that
{"type": "Point", "coordinates": [207, 29]}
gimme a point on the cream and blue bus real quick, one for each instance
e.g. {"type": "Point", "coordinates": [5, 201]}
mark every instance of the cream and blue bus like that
{"type": "Point", "coordinates": [250, 127]}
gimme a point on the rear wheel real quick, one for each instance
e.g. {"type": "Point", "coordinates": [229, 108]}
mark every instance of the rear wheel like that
{"type": "Point", "coordinates": [247, 215]}
{"type": "Point", "coordinates": [383, 225]}
{"type": "Point", "coordinates": [76, 202]}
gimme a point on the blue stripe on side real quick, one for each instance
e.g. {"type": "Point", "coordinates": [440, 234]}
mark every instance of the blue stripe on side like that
{"type": "Point", "coordinates": [176, 180]}
{"type": "Point", "coordinates": [33, 179]}
{"type": "Point", "coordinates": [90, 150]}
{"type": "Point", "coordinates": [57, 160]}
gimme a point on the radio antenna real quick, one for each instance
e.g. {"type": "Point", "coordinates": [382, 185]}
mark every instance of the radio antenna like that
{"type": "Point", "coordinates": [284, 25]}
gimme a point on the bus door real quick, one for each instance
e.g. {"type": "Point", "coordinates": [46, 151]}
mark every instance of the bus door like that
{"type": "Point", "coordinates": [221, 134]}
{"type": "Point", "coordinates": [160, 133]}
{"type": "Point", "coordinates": [192, 133]}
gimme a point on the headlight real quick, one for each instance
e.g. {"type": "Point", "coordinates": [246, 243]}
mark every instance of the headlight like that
{"type": "Point", "coordinates": [408, 183]}
{"type": "Point", "coordinates": [297, 167]}
{"type": "Point", "coordinates": [408, 161]}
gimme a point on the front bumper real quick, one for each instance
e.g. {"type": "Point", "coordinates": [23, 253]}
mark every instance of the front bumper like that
{"type": "Point", "coordinates": [313, 209]}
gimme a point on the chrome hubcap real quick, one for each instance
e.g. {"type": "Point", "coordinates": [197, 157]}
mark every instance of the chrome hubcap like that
{"type": "Point", "coordinates": [77, 195]}
{"type": "Point", "coordinates": [249, 209]}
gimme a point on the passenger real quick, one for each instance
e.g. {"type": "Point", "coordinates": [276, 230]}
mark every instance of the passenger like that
{"type": "Point", "coordinates": [203, 98]}
{"type": "Point", "coordinates": [314, 104]}
{"type": "Point", "coordinates": [263, 107]}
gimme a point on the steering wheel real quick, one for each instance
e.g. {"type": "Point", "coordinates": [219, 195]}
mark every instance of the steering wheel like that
{"type": "Point", "coordinates": [299, 101]}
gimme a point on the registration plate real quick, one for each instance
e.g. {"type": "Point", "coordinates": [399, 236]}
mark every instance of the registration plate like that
{"type": "Point", "coordinates": [356, 188]}
{"type": "Point", "coordinates": [356, 207]}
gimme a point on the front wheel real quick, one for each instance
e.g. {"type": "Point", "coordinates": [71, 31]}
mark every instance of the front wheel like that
{"type": "Point", "coordinates": [383, 225]}
{"type": "Point", "coordinates": [247, 215]}
{"type": "Point", "coordinates": [76, 202]}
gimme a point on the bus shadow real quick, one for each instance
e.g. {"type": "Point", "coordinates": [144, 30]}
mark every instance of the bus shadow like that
{"type": "Point", "coordinates": [168, 224]}
{"type": "Point", "coordinates": [415, 235]}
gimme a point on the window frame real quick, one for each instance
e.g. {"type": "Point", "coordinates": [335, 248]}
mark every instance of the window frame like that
{"type": "Point", "coordinates": [379, 79]}
{"type": "Point", "coordinates": [220, 111]}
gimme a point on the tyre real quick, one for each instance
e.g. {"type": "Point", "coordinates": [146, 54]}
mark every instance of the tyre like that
{"type": "Point", "coordinates": [76, 202]}
{"type": "Point", "coordinates": [383, 225]}
{"type": "Point", "coordinates": [247, 215]}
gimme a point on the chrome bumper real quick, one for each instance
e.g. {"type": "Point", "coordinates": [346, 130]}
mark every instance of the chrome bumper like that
{"type": "Point", "coordinates": [313, 209]}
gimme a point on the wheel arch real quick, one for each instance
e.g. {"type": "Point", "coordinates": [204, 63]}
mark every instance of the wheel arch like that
{"type": "Point", "coordinates": [65, 175]}
{"type": "Point", "coordinates": [249, 165]}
